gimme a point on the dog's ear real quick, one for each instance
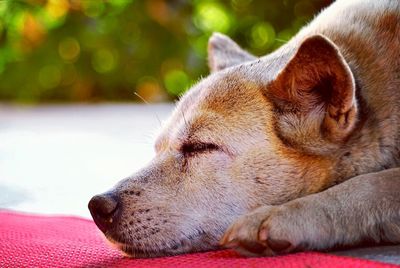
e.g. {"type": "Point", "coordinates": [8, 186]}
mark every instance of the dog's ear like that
{"type": "Point", "coordinates": [318, 80]}
{"type": "Point", "coordinates": [223, 52]}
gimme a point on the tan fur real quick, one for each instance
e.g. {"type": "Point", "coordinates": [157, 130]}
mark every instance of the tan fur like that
{"type": "Point", "coordinates": [276, 135]}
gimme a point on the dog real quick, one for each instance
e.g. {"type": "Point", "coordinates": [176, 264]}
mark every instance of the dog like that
{"type": "Point", "coordinates": [297, 150]}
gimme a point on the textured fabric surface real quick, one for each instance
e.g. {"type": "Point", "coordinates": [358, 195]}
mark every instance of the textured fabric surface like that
{"type": "Point", "coordinates": [43, 241]}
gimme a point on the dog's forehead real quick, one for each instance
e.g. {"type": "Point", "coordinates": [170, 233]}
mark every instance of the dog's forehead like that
{"type": "Point", "coordinates": [222, 104]}
{"type": "Point", "coordinates": [221, 92]}
{"type": "Point", "coordinates": [231, 86]}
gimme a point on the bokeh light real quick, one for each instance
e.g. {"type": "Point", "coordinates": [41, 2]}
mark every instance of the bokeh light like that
{"type": "Point", "coordinates": [262, 35]}
{"type": "Point", "coordinates": [69, 49]}
{"type": "Point", "coordinates": [176, 81]}
{"type": "Point", "coordinates": [211, 16]}
{"type": "Point", "coordinates": [104, 60]}
{"type": "Point", "coordinates": [49, 76]}
{"type": "Point", "coordinates": [88, 50]}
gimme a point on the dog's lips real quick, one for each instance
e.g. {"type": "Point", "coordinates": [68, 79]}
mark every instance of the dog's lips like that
{"type": "Point", "coordinates": [131, 251]}
{"type": "Point", "coordinates": [135, 252]}
{"type": "Point", "coordinates": [185, 245]}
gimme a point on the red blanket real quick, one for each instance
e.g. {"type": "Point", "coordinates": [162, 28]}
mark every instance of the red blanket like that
{"type": "Point", "coordinates": [42, 241]}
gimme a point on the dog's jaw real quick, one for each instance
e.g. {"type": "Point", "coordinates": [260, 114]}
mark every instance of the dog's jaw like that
{"type": "Point", "coordinates": [196, 242]}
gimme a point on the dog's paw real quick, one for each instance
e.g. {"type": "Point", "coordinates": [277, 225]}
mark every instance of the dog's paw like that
{"type": "Point", "coordinates": [269, 230]}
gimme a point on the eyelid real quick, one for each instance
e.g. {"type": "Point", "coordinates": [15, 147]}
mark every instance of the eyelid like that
{"type": "Point", "coordinates": [198, 147]}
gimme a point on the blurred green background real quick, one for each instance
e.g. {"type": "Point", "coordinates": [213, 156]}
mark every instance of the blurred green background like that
{"type": "Point", "coordinates": [89, 51]}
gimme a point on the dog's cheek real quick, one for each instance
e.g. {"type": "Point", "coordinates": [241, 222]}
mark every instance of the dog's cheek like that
{"type": "Point", "coordinates": [264, 177]}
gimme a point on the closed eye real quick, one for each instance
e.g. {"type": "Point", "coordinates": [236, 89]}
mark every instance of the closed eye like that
{"type": "Point", "coordinates": [190, 149]}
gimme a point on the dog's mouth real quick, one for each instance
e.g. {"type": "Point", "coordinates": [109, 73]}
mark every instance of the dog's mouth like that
{"type": "Point", "coordinates": [195, 242]}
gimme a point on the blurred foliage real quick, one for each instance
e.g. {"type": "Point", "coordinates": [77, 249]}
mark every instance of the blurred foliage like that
{"type": "Point", "coordinates": [93, 50]}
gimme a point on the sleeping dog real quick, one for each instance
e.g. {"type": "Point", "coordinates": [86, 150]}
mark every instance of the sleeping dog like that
{"type": "Point", "coordinates": [296, 150]}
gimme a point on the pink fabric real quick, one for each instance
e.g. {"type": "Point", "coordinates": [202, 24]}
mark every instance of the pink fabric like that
{"type": "Point", "coordinates": [43, 241]}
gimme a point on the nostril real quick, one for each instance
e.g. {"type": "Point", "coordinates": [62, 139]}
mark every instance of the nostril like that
{"type": "Point", "coordinates": [103, 207]}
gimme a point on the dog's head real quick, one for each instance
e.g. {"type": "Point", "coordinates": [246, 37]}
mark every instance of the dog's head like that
{"type": "Point", "coordinates": [256, 131]}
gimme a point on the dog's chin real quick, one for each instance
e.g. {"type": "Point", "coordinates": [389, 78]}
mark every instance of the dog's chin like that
{"type": "Point", "coordinates": [186, 245]}
{"type": "Point", "coordinates": [133, 252]}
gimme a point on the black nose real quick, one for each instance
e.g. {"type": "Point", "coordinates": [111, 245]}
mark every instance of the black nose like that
{"type": "Point", "coordinates": [104, 208]}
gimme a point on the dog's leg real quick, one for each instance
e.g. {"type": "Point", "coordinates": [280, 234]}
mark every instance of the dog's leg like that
{"type": "Point", "coordinates": [364, 208]}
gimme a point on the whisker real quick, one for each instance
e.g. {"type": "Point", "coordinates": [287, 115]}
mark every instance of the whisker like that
{"type": "Point", "coordinates": [146, 102]}
{"type": "Point", "coordinates": [281, 40]}
{"type": "Point", "coordinates": [184, 119]}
